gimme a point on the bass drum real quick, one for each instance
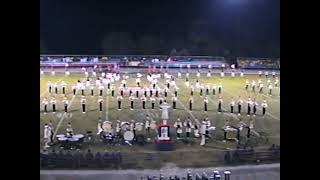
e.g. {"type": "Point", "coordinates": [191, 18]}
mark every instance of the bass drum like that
{"type": "Point", "coordinates": [128, 136]}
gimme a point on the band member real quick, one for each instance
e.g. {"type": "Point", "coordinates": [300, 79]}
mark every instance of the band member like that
{"type": "Point", "coordinates": [112, 91]}
{"type": "Point", "coordinates": [179, 74]}
{"type": "Point", "coordinates": [52, 130]}
{"type": "Point", "coordinates": [247, 84]}
{"type": "Point", "coordinates": [264, 107]}
{"type": "Point", "coordinates": [98, 82]}
{"type": "Point", "coordinates": [176, 91]}
{"type": "Point", "coordinates": [100, 101]}
{"type": "Point", "coordinates": [108, 84]}
{"type": "Point", "coordinates": [53, 102]}
{"type": "Point", "coordinates": [100, 128]}
{"type": "Point", "coordinates": [232, 103]}
{"type": "Point", "coordinates": [55, 88]}
{"type": "Point", "coordinates": [74, 90]}
{"type": "Point", "coordinates": [219, 88]}
{"type": "Point", "coordinates": [153, 100]}
{"type": "Point", "coordinates": [196, 129]}
{"type": "Point", "coordinates": [187, 76]}
{"type": "Point", "coordinates": [261, 88]}
{"type": "Point", "coordinates": [92, 91]}
{"type": "Point", "coordinates": [174, 102]}
{"type": "Point", "coordinates": [147, 126]}
{"type": "Point", "coordinates": [198, 74]}
{"type": "Point", "coordinates": [47, 134]}
{"type": "Point", "coordinates": [137, 93]}
{"type": "Point", "coordinates": [45, 103]}
{"type": "Point", "coordinates": [188, 126]}
{"type": "Point", "coordinates": [145, 91]}
{"type": "Point", "coordinates": [209, 73]}
{"type": "Point", "coordinates": [197, 83]}
{"type": "Point", "coordinates": [270, 89]}
{"type": "Point", "coordinates": [249, 103]}
{"type": "Point", "coordinates": [268, 81]}
{"type": "Point", "coordinates": [178, 125]}
{"type": "Point", "coordinates": [207, 89]}
{"type": "Point", "coordinates": [259, 82]}
{"type": "Point", "coordinates": [160, 101]}
{"type": "Point", "coordinates": [276, 82]}
{"type": "Point", "coordinates": [165, 92]}
{"type": "Point", "coordinates": [201, 90]}
{"type": "Point", "coordinates": [191, 90]}
{"type": "Point", "coordinates": [222, 74]}
{"type": "Point", "coordinates": [82, 90]}
{"type": "Point", "coordinates": [190, 103]}
{"type": "Point", "coordinates": [255, 104]}
{"type": "Point", "coordinates": [220, 105]}
{"type": "Point", "coordinates": [253, 85]}
{"type": "Point", "coordinates": [133, 128]}
{"type": "Point", "coordinates": [94, 74]}
{"type": "Point", "coordinates": [63, 85]}
{"type": "Point", "coordinates": [118, 128]}
{"type": "Point", "coordinates": [86, 74]}
{"type": "Point", "coordinates": [83, 102]}
{"type": "Point", "coordinates": [121, 91]}
{"type": "Point", "coordinates": [239, 105]}
{"type": "Point", "coordinates": [50, 86]}
{"type": "Point", "coordinates": [214, 88]}
{"type": "Point", "coordinates": [123, 82]}
{"type": "Point", "coordinates": [168, 83]}
{"type": "Point", "coordinates": [88, 82]}
{"type": "Point", "coordinates": [131, 98]}
{"type": "Point", "coordinates": [69, 130]}
{"type": "Point", "coordinates": [157, 91]}
{"type": "Point", "coordinates": [205, 101]}
{"type": "Point", "coordinates": [241, 73]}
{"type": "Point", "coordinates": [119, 98]}
{"type": "Point", "coordinates": [66, 103]}
{"type": "Point", "coordinates": [138, 81]}
{"type": "Point", "coordinates": [260, 73]}
{"type": "Point", "coordinates": [53, 73]}
{"type": "Point", "coordinates": [266, 73]}
{"type": "Point", "coordinates": [143, 99]}
{"type": "Point", "coordinates": [187, 83]}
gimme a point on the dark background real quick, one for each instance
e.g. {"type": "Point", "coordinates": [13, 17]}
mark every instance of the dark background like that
{"type": "Point", "coordinates": [218, 27]}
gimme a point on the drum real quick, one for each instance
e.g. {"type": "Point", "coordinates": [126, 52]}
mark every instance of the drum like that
{"type": "Point", "coordinates": [128, 136]}
{"type": "Point", "coordinates": [139, 126]}
{"type": "Point", "coordinates": [107, 126]}
{"type": "Point", "coordinates": [60, 136]}
{"type": "Point", "coordinates": [62, 139]}
{"type": "Point", "coordinates": [153, 125]}
{"type": "Point", "coordinates": [125, 126]}
{"type": "Point", "coordinates": [79, 136]}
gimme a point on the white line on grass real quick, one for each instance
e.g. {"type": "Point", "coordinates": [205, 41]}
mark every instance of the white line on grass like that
{"type": "Point", "coordinates": [63, 116]}
{"type": "Point", "coordinates": [184, 107]}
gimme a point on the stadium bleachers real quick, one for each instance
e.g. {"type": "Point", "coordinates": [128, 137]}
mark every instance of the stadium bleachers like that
{"type": "Point", "coordinates": [258, 63]}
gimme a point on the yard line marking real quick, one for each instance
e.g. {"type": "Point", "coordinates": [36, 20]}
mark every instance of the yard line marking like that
{"type": "Point", "coordinates": [64, 114]}
{"type": "Point", "coordinates": [62, 118]}
{"type": "Point", "coordinates": [184, 107]}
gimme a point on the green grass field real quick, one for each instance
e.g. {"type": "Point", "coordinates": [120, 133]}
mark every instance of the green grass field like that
{"type": "Point", "coordinates": [267, 127]}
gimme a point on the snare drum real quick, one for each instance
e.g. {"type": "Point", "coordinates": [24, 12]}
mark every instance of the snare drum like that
{"type": "Point", "coordinates": [128, 136]}
{"type": "Point", "coordinates": [62, 139]}
{"type": "Point", "coordinates": [79, 136]}
{"type": "Point", "coordinates": [60, 136]}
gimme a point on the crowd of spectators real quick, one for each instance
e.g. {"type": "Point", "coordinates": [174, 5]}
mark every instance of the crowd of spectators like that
{"type": "Point", "coordinates": [79, 160]}
{"type": "Point", "coordinates": [255, 63]}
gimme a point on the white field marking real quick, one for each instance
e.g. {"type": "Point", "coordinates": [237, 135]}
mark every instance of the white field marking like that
{"type": "Point", "coordinates": [184, 107]}
{"type": "Point", "coordinates": [63, 116]}
{"type": "Point", "coordinates": [46, 91]}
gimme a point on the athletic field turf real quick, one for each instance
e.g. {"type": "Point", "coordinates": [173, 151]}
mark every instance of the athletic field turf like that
{"type": "Point", "coordinates": [266, 129]}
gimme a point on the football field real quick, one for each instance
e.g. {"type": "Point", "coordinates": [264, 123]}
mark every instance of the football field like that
{"type": "Point", "coordinates": [266, 129]}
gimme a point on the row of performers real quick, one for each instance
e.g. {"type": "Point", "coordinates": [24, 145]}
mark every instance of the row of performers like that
{"type": "Point", "coordinates": [251, 104]}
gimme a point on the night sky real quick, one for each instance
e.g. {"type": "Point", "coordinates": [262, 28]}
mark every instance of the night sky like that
{"type": "Point", "coordinates": [244, 27]}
